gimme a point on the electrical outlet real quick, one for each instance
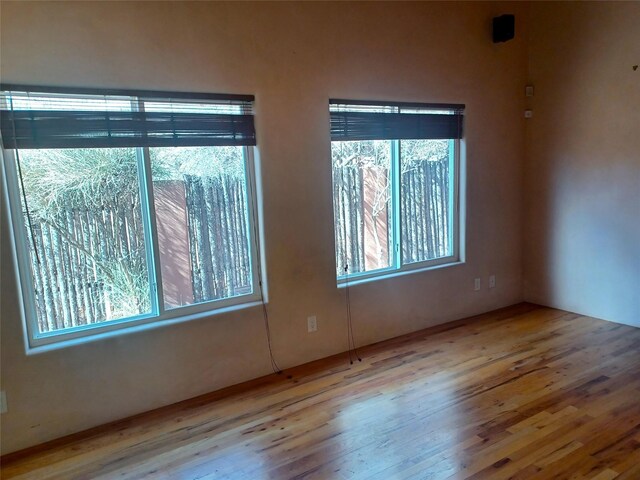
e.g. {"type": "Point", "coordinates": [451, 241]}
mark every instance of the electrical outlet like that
{"type": "Point", "coordinates": [312, 324]}
{"type": "Point", "coordinates": [3, 402]}
{"type": "Point", "coordinates": [492, 281]}
{"type": "Point", "coordinates": [476, 284]}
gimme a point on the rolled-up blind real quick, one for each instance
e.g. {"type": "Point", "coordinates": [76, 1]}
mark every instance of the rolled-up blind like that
{"type": "Point", "coordinates": [40, 117]}
{"type": "Point", "coordinates": [362, 120]}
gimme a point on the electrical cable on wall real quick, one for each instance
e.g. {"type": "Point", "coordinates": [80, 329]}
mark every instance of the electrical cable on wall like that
{"type": "Point", "coordinates": [265, 314]}
{"type": "Point", "coordinates": [351, 344]}
{"type": "Point", "coordinates": [350, 339]}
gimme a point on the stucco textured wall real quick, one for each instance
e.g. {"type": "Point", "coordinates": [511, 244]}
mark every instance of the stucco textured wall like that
{"type": "Point", "coordinates": [582, 248]}
{"type": "Point", "coordinates": [293, 57]}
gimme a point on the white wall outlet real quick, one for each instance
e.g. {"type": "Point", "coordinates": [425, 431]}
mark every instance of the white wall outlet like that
{"type": "Point", "coordinates": [492, 281]}
{"type": "Point", "coordinates": [312, 324]}
{"type": "Point", "coordinates": [476, 284]}
{"type": "Point", "coordinates": [3, 402]}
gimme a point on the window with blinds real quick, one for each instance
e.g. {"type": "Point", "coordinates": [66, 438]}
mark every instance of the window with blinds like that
{"type": "Point", "coordinates": [128, 207]}
{"type": "Point", "coordinates": [396, 183]}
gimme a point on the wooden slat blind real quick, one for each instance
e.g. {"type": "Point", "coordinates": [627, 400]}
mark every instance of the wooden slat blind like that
{"type": "Point", "coordinates": [359, 120]}
{"type": "Point", "coordinates": [41, 117]}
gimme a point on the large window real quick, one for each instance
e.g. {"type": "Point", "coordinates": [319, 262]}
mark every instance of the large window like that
{"type": "Point", "coordinates": [128, 207]}
{"type": "Point", "coordinates": [395, 186]}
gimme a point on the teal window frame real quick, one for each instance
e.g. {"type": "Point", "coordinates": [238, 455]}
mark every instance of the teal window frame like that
{"type": "Point", "coordinates": [398, 267]}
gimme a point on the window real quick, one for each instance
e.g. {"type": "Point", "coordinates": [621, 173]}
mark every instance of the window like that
{"type": "Point", "coordinates": [128, 207]}
{"type": "Point", "coordinates": [395, 186]}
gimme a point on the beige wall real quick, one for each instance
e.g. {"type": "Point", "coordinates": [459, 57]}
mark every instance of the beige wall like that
{"type": "Point", "coordinates": [583, 160]}
{"type": "Point", "coordinates": [293, 57]}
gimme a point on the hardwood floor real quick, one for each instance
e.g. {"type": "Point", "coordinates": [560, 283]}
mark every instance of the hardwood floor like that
{"type": "Point", "coordinates": [521, 393]}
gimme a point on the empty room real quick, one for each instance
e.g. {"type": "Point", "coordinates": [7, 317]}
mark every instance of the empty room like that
{"type": "Point", "coordinates": [320, 240]}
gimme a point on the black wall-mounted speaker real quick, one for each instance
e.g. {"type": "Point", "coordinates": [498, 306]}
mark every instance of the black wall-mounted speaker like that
{"type": "Point", "coordinates": [504, 28]}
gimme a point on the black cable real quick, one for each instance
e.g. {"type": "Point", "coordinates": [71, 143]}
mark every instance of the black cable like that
{"type": "Point", "coordinates": [274, 366]}
{"type": "Point", "coordinates": [265, 314]}
{"type": "Point", "coordinates": [350, 337]}
{"type": "Point", "coordinates": [346, 272]}
{"type": "Point", "coordinates": [351, 344]}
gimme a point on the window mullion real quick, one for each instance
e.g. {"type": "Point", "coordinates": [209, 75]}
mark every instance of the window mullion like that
{"type": "Point", "coordinates": [396, 175]}
{"type": "Point", "coordinates": [20, 241]}
{"type": "Point", "coordinates": [454, 197]}
{"type": "Point", "coordinates": [150, 225]}
{"type": "Point", "coordinates": [252, 225]}
{"type": "Point", "coordinates": [150, 230]}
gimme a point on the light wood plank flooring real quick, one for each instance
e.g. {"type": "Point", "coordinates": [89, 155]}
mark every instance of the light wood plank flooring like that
{"type": "Point", "coordinates": [521, 393]}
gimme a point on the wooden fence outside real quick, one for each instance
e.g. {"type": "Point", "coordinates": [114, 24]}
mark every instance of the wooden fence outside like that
{"type": "Point", "coordinates": [362, 219]}
{"type": "Point", "coordinates": [426, 229]}
{"type": "Point", "coordinates": [91, 267]}
{"type": "Point", "coordinates": [92, 262]}
{"type": "Point", "coordinates": [78, 253]}
{"type": "Point", "coordinates": [218, 237]}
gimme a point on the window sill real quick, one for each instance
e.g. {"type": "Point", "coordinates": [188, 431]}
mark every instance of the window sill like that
{"type": "Point", "coordinates": [358, 280]}
{"type": "Point", "coordinates": [58, 341]}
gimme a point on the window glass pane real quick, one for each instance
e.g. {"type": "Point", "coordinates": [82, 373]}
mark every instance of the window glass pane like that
{"type": "Point", "coordinates": [90, 261]}
{"type": "Point", "coordinates": [362, 205]}
{"type": "Point", "coordinates": [202, 217]}
{"type": "Point", "coordinates": [426, 199]}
